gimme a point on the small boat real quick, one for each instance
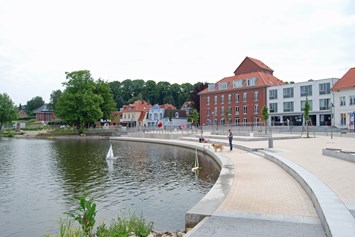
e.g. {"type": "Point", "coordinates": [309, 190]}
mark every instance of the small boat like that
{"type": "Point", "coordinates": [110, 154]}
{"type": "Point", "coordinates": [197, 165]}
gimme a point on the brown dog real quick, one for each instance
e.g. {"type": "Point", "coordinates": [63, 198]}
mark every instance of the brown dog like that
{"type": "Point", "coordinates": [217, 146]}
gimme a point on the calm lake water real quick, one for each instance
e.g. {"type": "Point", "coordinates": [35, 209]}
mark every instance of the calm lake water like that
{"type": "Point", "coordinates": [39, 179]}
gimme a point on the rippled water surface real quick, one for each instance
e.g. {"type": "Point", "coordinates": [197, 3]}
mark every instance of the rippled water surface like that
{"type": "Point", "coordinates": [39, 179]}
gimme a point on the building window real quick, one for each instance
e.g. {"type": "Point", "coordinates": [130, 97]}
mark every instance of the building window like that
{"type": "Point", "coordinates": [208, 100]}
{"type": "Point", "coordinates": [222, 110]}
{"type": "Point", "coordinates": [273, 107]}
{"type": "Point", "coordinates": [215, 111]}
{"type": "Point", "coordinates": [343, 119]}
{"type": "Point", "coordinates": [245, 109]}
{"type": "Point", "coordinates": [238, 83]}
{"type": "Point", "coordinates": [236, 110]}
{"type": "Point", "coordinates": [215, 99]}
{"type": "Point", "coordinates": [352, 100]}
{"type": "Point", "coordinates": [303, 102]}
{"type": "Point", "coordinates": [222, 99]}
{"type": "Point", "coordinates": [342, 101]}
{"type": "Point", "coordinates": [288, 92]}
{"type": "Point", "coordinates": [208, 111]}
{"type": "Point", "coordinates": [229, 110]}
{"type": "Point", "coordinates": [306, 90]}
{"type": "Point", "coordinates": [245, 121]}
{"type": "Point", "coordinates": [236, 98]}
{"type": "Point", "coordinates": [256, 121]}
{"type": "Point", "coordinates": [237, 121]}
{"type": "Point", "coordinates": [223, 85]}
{"type": "Point", "coordinates": [244, 97]}
{"type": "Point", "coordinates": [252, 81]}
{"type": "Point", "coordinates": [256, 95]}
{"type": "Point", "coordinates": [324, 104]}
{"type": "Point", "coordinates": [324, 88]}
{"type": "Point", "coordinates": [288, 106]}
{"type": "Point", "coordinates": [256, 109]}
{"type": "Point", "coordinates": [211, 87]}
{"type": "Point", "coordinates": [272, 94]}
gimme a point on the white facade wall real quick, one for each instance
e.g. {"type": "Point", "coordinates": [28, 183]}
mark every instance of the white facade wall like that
{"type": "Point", "coordinates": [320, 116]}
{"type": "Point", "coordinates": [342, 113]}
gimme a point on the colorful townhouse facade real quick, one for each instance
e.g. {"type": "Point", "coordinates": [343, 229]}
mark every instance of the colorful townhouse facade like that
{"type": "Point", "coordinates": [135, 114]}
{"type": "Point", "coordinates": [239, 99]}
{"type": "Point", "coordinates": [344, 101]}
{"type": "Point", "coordinates": [286, 102]}
{"type": "Point", "coordinates": [158, 117]}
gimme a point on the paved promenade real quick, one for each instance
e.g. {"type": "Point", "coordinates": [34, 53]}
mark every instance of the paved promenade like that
{"type": "Point", "coordinates": [265, 200]}
{"type": "Point", "coordinates": [288, 190]}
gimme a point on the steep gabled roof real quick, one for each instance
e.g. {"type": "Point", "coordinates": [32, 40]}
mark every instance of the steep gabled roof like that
{"type": "Point", "coordinates": [138, 105]}
{"type": "Point", "coordinates": [346, 82]}
{"type": "Point", "coordinates": [252, 65]}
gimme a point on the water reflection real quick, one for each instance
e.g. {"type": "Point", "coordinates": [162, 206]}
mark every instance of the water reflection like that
{"type": "Point", "coordinates": [39, 179]}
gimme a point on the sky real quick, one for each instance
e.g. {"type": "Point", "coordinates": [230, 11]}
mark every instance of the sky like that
{"type": "Point", "coordinates": [175, 41]}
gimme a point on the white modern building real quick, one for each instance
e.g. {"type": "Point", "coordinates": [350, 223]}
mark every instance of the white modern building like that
{"type": "Point", "coordinates": [286, 102]}
{"type": "Point", "coordinates": [344, 101]}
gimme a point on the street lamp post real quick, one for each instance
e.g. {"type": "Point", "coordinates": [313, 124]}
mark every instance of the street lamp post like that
{"type": "Point", "coordinates": [331, 121]}
{"type": "Point", "coordinates": [212, 122]}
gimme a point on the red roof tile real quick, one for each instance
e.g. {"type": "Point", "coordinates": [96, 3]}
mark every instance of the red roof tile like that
{"type": "Point", "coordinates": [346, 82]}
{"type": "Point", "coordinates": [138, 105]}
{"type": "Point", "coordinates": [142, 116]}
{"type": "Point", "coordinates": [246, 65]}
{"type": "Point", "coordinates": [264, 79]}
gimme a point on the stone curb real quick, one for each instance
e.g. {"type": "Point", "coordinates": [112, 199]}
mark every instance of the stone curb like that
{"type": "Point", "coordinates": [336, 219]}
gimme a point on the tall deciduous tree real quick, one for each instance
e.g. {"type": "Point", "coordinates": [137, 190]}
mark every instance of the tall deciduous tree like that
{"type": "Point", "coordinates": [54, 99]}
{"type": "Point", "coordinates": [33, 104]}
{"type": "Point", "coordinates": [265, 116]}
{"type": "Point", "coordinates": [108, 105]}
{"type": "Point", "coordinates": [306, 114]}
{"type": "Point", "coordinates": [8, 110]}
{"type": "Point", "coordinates": [79, 105]}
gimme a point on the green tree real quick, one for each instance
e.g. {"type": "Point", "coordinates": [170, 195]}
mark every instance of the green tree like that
{"type": "Point", "coordinates": [54, 99]}
{"type": "Point", "coordinates": [150, 92]}
{"type": "Point", "coordinates": [265, 117]}
{"type": "Point", "coordinates": [8, 110]}
{"type": "Point", "coordinates": [164, 89]}
{"type": "Point", "coordinates": [108, 105]}
{"type": "Point", "coordinates": [197, 88]}
{"type": "Point", "coordinates": [33, 104]}
{"type": "Point", "coordinates": [226, 116]}
{"type": "Point", "coordinates": [195, 117]}
{"type": "Point", "coordinates": [79, 105]}
{"type": "Point", "coordinates": [307, 108]}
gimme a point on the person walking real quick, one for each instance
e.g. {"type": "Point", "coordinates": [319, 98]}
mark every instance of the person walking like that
{"type": "Point", "coordinates": [230, 137]}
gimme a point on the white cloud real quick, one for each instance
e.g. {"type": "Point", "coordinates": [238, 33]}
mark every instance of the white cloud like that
{"type": "Point", "coordinates": [175, 41]}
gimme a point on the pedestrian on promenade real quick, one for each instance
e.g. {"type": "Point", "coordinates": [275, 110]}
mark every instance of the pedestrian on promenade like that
{"type": "Point", "coordinates": [230, 137]}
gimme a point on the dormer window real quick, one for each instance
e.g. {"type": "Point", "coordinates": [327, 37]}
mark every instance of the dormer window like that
{"type": "Point", "coordinates": [223, 85]}
{"type": "Point", "coordinates": [211, 87]}
{"type": "Point", "coordinates": [252, 81]}
{"type": "Point", "coordinates": [238, 83]}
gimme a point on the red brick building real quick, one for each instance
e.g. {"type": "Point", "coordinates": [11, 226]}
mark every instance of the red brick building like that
{"type": "Point", "coordinates": [239, 99]}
